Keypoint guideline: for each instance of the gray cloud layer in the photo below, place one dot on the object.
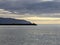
(24, 5)
(21, 1)
(24, 1)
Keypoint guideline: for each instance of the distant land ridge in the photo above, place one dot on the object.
(14, 21)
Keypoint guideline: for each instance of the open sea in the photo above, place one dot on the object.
(48, 34)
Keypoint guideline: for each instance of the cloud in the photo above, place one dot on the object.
(47, 0)
(26, 1)
(24, 5)
(21, 1)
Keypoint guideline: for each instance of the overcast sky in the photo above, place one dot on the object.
(29, 0)
(17, 4)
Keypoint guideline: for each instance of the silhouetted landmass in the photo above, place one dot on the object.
(12, 21)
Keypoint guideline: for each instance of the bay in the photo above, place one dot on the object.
(48, 34)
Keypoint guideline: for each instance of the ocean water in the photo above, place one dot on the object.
(30, 35)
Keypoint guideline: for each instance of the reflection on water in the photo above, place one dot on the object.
(30, 35)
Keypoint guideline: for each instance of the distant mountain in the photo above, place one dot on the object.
(13, 21)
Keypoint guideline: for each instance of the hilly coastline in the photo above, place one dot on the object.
(14, 21)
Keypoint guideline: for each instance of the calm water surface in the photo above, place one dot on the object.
(30, 35)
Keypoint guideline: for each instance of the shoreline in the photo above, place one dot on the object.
(33, 18)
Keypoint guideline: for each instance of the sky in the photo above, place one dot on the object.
(16, 4)
(34, 1)
(26, 1)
